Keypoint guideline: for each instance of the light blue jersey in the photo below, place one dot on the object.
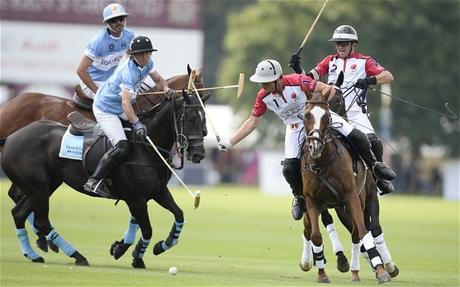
(128, 76)
(106, 51)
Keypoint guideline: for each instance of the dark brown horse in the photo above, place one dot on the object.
(30, 107)
(328, 182)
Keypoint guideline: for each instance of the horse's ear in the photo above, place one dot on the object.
(206, 97)
(189, 70)
(186, 96)
(339, 81)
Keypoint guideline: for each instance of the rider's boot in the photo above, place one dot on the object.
(383, 173)
(109, 160)
(383, 185)
(291, 172)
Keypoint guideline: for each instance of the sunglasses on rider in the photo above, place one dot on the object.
(342, 44)
(120, 19)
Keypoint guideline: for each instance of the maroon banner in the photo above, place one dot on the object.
(186, 14)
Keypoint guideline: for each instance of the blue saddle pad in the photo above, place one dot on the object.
(71, 146)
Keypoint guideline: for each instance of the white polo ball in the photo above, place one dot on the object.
(173, 270)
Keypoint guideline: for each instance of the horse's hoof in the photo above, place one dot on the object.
(53, 246)
(395, 272)
(138, 263)
(355, 276)
(323, 279)
(118, 249)
(38, 260)
(305, 266)
(158, 249)
(384, 277)
(80, 260)
(42, 243)
(342, 262)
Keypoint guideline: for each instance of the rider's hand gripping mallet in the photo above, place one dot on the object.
(310, 30)
(196, 195)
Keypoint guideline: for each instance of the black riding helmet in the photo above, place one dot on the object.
(141, 44)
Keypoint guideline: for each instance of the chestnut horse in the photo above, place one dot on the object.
(328, 182)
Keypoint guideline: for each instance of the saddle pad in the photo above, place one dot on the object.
(71, 146)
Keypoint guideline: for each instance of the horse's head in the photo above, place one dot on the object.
(317, 119)
(193, 127)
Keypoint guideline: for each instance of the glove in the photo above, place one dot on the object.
(364, 83)
(294, 63)
(140, 129)
(224, 145)
(169, 93)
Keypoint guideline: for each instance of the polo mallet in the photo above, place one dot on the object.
(196, 195)
(206, 112)
(239, 92)
(309, 31)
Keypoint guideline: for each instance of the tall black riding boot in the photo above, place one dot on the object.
(109, 160)
(363, 146)
(291, 172)
(384, 185)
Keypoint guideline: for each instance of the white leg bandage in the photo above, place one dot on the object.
(306, 261)
(382, 249)
(318, 254)
(355, 266)
(334, 237)
(368, 242)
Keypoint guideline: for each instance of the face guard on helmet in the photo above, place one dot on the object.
(344, 33)
(141, 44)
(267, 71)
(113, 11)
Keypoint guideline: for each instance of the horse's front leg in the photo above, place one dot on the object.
(317, 241)
(306, 261)
(138, 208)
(165, 199)
(119, 248)
(354, 206)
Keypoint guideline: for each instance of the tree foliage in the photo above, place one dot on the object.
(418, 41)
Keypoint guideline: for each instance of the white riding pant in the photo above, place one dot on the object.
(110, 124)
(87, 90)
(295, 135)
(360, 121)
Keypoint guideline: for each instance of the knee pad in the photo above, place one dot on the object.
(376, 146)
(291, 168)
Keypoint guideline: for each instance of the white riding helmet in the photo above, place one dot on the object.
(113, 10)
(267, 71)
(344, 33)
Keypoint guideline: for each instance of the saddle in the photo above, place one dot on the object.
(81, 99)
(96, 144)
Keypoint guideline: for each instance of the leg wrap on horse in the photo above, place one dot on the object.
(334, 237)
(57, 239)
(306, 261)
(130, 234)
(382, 249)
(291, 172)
(369, 246)
(318, 255)
(30, 219)
(141, 246)
(376, 146)
(173, 239)
(112, 158)
(355, 252)
(25, 245)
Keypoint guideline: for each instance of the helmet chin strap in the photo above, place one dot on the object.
(135, 60)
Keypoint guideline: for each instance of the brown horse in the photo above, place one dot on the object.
(30, 107)
(328, 182)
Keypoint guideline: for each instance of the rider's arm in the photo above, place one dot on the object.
(245, 129)
(159, 81)
(324, 89)
(384, 77)
(82, 72)
(127, 107)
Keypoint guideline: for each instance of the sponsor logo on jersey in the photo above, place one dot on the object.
(353, 66)
(293, 96)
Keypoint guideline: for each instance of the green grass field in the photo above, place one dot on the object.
(238, 236)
